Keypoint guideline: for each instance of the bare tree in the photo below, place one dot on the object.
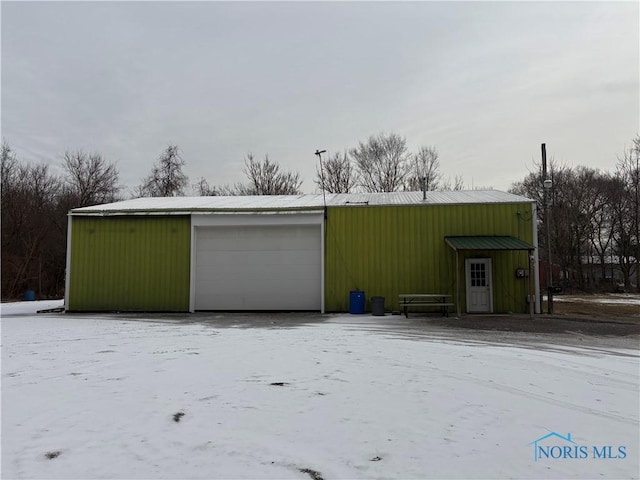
(266, 178)
(455, 184)
(90, 179)
(603, 220)
(338, 172)
(424, 170)
(583, 201)
(628, 213)
(592, 217)
(561, 245)
(167, 178)
(8, 165)
(29, 196)
(203, 189)
(381, 162)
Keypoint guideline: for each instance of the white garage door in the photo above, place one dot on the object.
(265, 267)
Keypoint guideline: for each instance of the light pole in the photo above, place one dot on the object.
(324, 197)
(547, 184)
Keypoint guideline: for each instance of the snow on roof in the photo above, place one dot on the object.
(298, 202)
(460, 197)
(189, 204)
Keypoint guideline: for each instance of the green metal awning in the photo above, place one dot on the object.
(489, 242)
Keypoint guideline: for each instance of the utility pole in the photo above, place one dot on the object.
(547, 183)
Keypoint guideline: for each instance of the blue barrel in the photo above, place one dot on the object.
(29, 295)
(356, 302)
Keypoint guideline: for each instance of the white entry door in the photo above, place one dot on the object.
(479, 290)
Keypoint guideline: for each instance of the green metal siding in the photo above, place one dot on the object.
(389, 250)
(130, 263)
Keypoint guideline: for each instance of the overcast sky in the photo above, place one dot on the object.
(485, 83)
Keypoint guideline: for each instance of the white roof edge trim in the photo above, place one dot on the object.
(258, 212)
(164, 213)
(128, 213)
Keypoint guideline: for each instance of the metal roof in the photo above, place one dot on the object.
(460, 197)
(297, 202)
(494, 242)
(205, 204)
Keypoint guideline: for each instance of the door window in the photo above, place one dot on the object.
(478, 275)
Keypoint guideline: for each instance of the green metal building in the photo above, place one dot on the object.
(184, 254)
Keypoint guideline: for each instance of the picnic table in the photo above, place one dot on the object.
(440, 300)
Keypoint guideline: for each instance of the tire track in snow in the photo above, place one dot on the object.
(518, 391)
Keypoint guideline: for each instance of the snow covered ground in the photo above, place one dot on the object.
(341, 396)
(609, 298)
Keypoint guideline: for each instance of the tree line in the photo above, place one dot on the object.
(36, 198)
(595, 213)
(382, 163)
(593, 220)
(34, 206)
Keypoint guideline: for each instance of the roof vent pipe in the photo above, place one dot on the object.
(424, 188)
